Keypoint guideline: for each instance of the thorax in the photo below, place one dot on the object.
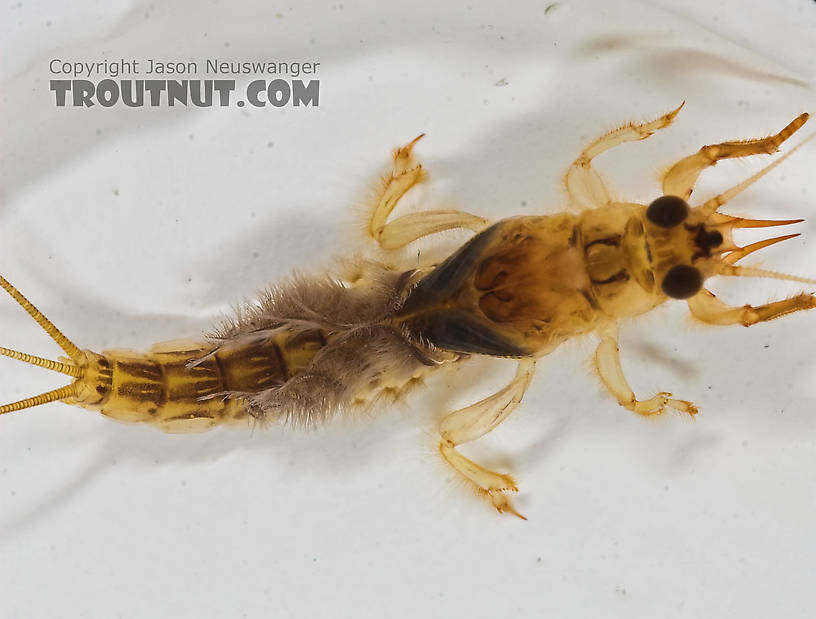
(526, 284)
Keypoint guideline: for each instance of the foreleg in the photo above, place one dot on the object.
(682, 176)
(706, 307)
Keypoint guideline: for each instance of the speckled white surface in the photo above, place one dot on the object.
(129, 226)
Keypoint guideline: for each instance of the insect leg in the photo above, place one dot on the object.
(468, 424)
(607, 362)
(405, 174)
(706, 307)
(584, 185)
(413, 226)
(681, 177)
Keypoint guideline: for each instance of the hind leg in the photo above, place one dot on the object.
(681, 177)
(468, 424)
(584, 185)
(406, 173)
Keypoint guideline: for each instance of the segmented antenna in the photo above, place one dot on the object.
(48, 364)
(67, 345)
(71, 369)
(739, 271)
(43, 398)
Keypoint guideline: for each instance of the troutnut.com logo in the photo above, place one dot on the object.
(86, 84)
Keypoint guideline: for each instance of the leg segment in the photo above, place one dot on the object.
(585, 187)
(405, 174)
(706, 307)
(409, 228)
(681, 177)
(607, 362)
(468, 424)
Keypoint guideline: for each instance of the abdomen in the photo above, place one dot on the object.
(189, 386)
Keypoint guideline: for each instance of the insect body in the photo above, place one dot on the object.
(517, 289)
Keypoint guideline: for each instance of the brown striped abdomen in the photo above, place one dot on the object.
(191, 386)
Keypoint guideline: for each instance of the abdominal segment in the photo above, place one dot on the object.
(190, 388)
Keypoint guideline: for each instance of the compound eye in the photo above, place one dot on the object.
(682, 281)
(667, 211)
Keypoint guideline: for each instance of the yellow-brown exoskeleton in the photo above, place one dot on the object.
(517, 289)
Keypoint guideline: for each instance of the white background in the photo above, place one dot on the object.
(130, 226)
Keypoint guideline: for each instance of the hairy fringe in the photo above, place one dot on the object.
(365, 358)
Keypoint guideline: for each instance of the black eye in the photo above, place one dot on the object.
(667, 211)
(682, 281)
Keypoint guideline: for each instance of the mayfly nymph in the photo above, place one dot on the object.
(517, 289)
